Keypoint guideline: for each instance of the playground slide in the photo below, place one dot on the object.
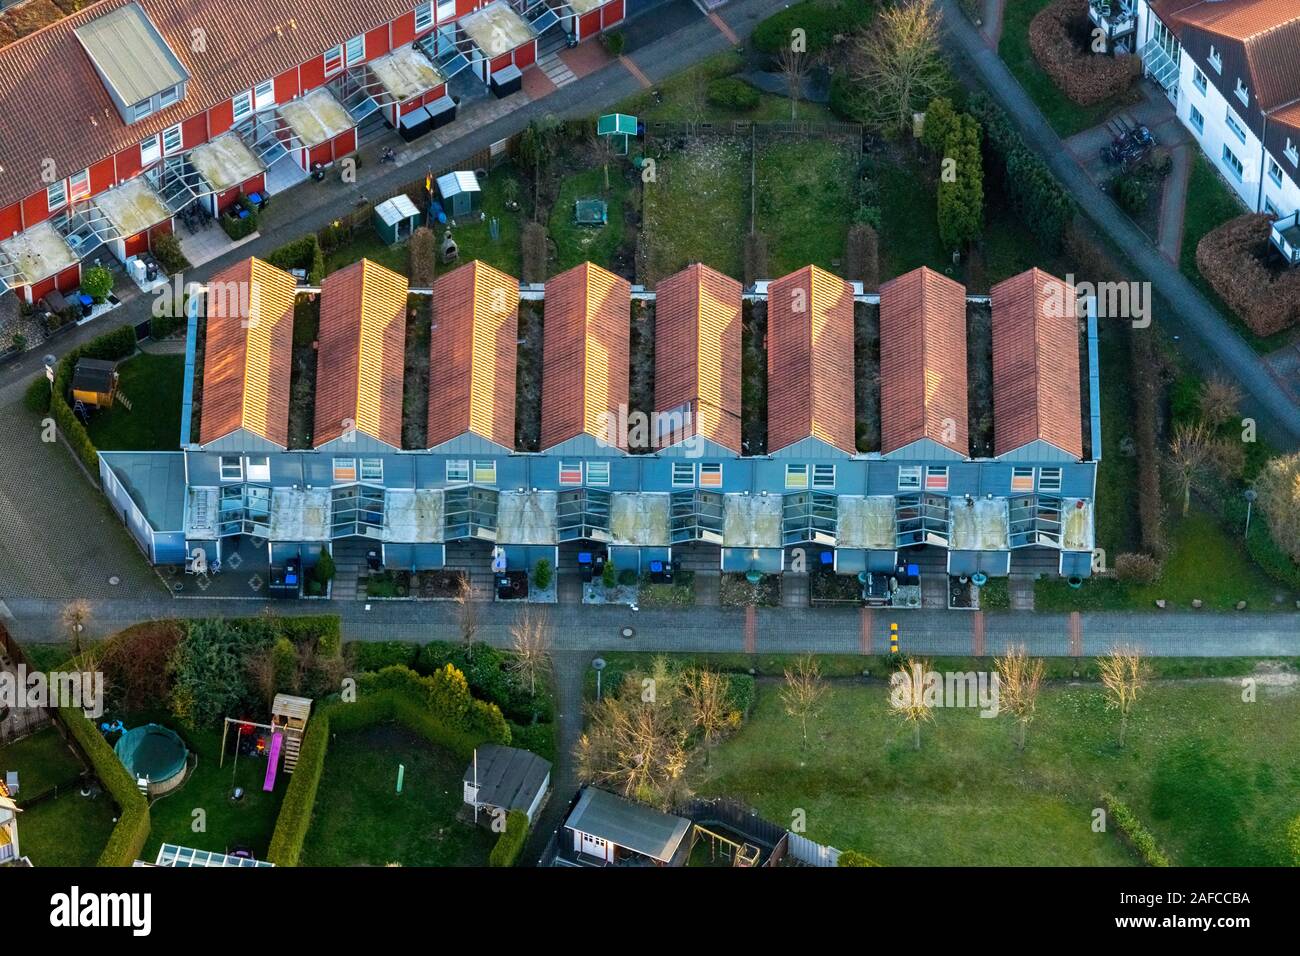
(273, 762)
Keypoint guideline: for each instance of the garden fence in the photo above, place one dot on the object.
(812, 854)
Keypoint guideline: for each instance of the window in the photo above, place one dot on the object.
(355, 50)
(598, 473)
(823, 476)
(446, 10)
(909, 478)
(1242, 91)
(423, 17)
(264, 95)
(345, 469)
(1198, 79)
(79, 186)
(936, 478)
(457, 472)
(1216, 60)
(485, 472)
(57, 195)
(333, 60)
(1198, 121)
(243, 105)
(171, 140)
(710, 474)
(141, 110)
(259, 469)
(570, 472)
(1233, 125)
(1232, 162)
(683, 474)
(169, 96)
(232, 468)
(1270, 207)
(1274, 171)
(796, 477)
(150, 151)
(372, 469)
(1022, 478)
(1049, 479)
(1292, 153)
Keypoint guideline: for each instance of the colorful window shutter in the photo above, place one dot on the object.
(570, 472)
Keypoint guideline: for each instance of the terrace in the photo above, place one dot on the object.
(497, 29)
(406, 72)
(225, 162)
(316, 118)
(1116, 18)
(133, 207)
(1285, 236)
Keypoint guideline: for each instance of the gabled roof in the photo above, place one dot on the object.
(630, 825)
(697, 364)
(361, 361)
(473, 355)
(1036, 394)
(810, 360)
(923, 362)
(507, 777)
(130, 54)
(584, 354)
(248, 344)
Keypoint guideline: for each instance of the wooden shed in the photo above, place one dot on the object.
(94, 382)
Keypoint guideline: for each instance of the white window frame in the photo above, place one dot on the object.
(1050, 479)
(79, 185)
(597, 473)
(258, 467)
(424, 17)
(820, 475)
(334, 54)
(170, 132)
(1231, 160)
(484, 466)
(683, 474)
(1022, 471)
(350, 465)
(798, 476)
(1235, 127)
(1243, 92)
(227, 462)
(359, 56)
(1270, 207)
(710, 468)
(937, 471)
(241, 105)
(141, 111)
(264, 95)
(457, 471)
(572, 466)
(1197, 119)
(1292, 152)
(150, 151)
(56, 195)
(371, 470)
(909, 478)
(446, 10)
(1199, 80)
(1274, 171)
(169, 96)
(1216, 60)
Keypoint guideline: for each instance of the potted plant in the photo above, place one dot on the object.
(97, 282)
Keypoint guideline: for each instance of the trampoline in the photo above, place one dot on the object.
(154, 753)
(590, 212)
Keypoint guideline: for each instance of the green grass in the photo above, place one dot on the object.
(909, 226)
(70, 830)
(1205, 562)
(1116, 528)
(367, 245)
(1063, 114)
(360, 820)
(43, 761)
(805, 200)
(575, 244)
(153, 385)
(1213, 778)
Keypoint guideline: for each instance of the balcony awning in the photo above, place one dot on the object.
(316, 118)
(404, 73)
(225, 162)
(762, 560)
(414, 557)
(857, 560)
(1160, 66)
(496, 29)
(133, 207)
(996, 564)
(35, 254)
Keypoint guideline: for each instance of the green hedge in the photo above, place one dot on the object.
(1133, 830)
(115, 345)
(376, 655)
(37, 396)
(821, 21)
(323, 630)
(1260, 544)
(304, 253)
(511, 842)
(732, 93)
(126, 842)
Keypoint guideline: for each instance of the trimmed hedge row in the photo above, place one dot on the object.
(820, 20)
(126, 842)
(1085, 77)
(326, 630)
(1132, 830)
(1231, 258)
(304, 253)
(115, 345)
(511, 842)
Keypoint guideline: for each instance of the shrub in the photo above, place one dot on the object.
(961, 197)
(210, 665)
(1137, 568)
(1278, 485)
(304, 253)
(235, 226)
(487, 671)
(627, 577)
(609, 575)
(325, 570)
(731, 93)
(614, 43)
(376, 655)
(127, 840)
(854, 858)
(1131, 828)
(1132, 193)
(167, 250)
(741, 690)
(1231, 259)
(940, 121)
(1085, 77)
(511, 842)
(97, 282)
(423, 251)
(542, 575)
(323, 631)
(37, 396)
(821, 20)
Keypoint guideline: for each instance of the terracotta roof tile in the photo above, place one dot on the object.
(361, 361)
(810, 360)
(585, 353)
(923, 361)
(248, 345)
(56, 106)
(473, 355)
(697, 354)
(1036, 391)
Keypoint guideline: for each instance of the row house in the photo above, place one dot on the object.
(700, 492)
(124, 113)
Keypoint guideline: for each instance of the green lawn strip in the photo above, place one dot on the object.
(153, 385)
(1213, 778)
(909, 227)
(1063, 114)
(805, 199)
(366, 244)
(44, 763)
(70, 830)
(697, 208)
(360, 819)
(1116, 516)
(576, 244)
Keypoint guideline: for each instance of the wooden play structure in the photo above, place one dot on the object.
(289, 717)
(740, 854)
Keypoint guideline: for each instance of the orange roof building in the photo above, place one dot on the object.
(247, 353)
(810, 360)
(1036, 392)
(923, 394)
(697, 357)
(473, 355)
(585, 355)
(360, 364)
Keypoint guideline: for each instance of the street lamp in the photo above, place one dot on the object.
(598, 665)
(1250, 496)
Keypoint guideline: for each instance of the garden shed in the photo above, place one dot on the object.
(460, 192)
(396, 219)
(94, 381)
(505, 779)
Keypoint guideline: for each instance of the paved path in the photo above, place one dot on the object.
(991, 25)
(1221, 348)
(1173, 202)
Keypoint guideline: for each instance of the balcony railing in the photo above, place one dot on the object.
(1115, 19)
(1285, 236)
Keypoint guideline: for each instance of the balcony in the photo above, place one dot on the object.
(1285, 236)
(1115, 19)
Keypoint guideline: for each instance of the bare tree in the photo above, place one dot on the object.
(706, 693)
(75, 618)
(1020, 678)
(530, 637)
(1278, 486)
(795, 66)
(804, 692)
(1190, 459)
(466, 615)
(1220, 401)
(907, 699)
(897, 66)
(1124, 675)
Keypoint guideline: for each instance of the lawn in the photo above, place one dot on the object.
(70, 830)
(1116, 519)
(1064, 115)
(805, 200)
(360, 820)
(43, 761)
(146, 415)
(366, 244)
(909, 225)
(1212, 777)
(575, 244)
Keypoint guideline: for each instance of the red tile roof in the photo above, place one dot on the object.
(810, 360)
(361, 361)
(473, 355)
(923, 361)
(585, 354)
(56, 106)
(697, 358)
(1036, 392)
(248, 346)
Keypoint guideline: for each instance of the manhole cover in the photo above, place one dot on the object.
(114, 580)
(628, 632)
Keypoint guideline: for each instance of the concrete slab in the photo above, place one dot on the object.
(132, 207)
(38, 252)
